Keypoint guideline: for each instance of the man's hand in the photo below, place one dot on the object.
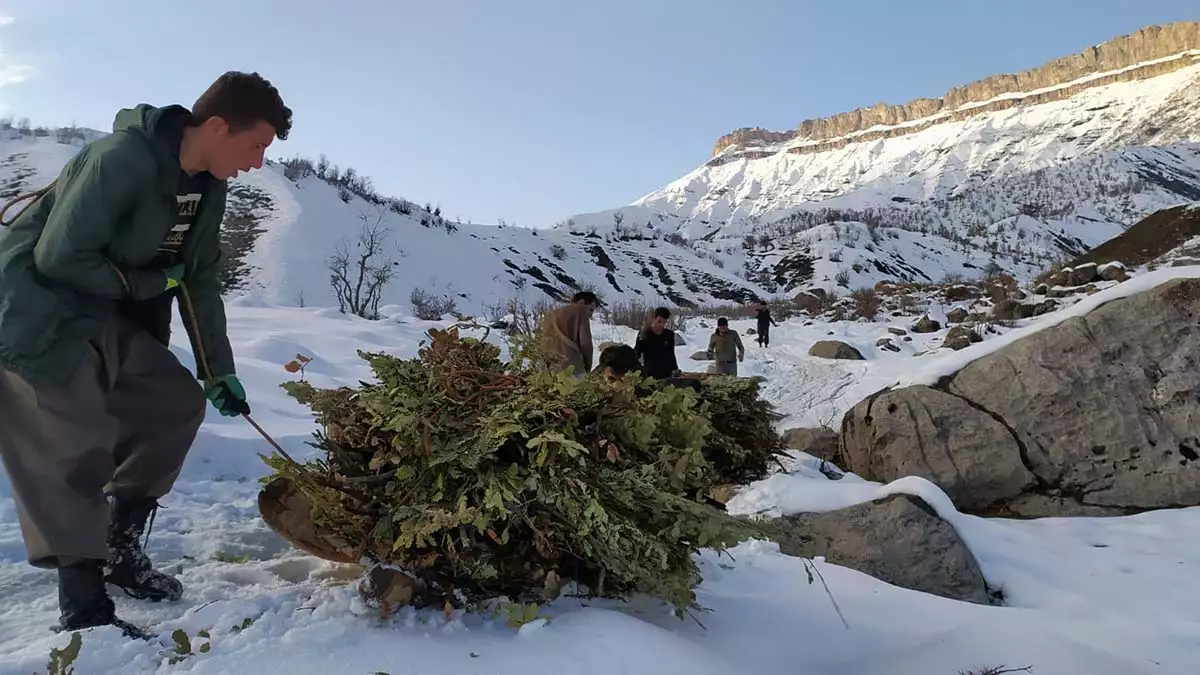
(741, 357)
(228, 395)
(174, 276)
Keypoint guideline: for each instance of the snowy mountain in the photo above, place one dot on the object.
(284, 222)
(1017, 169)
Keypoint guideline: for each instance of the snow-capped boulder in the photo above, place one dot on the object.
(1099, 414)
(898, 539)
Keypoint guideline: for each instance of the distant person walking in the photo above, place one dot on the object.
(765, 321)
(655, 347)
(567, 333)
(725, 347)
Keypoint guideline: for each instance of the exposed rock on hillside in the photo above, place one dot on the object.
(1148, 239)
(1097, 415)
(1140, 55)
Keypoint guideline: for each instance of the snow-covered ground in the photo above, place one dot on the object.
(1085, 595)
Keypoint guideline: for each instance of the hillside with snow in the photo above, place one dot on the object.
(284, 222)
(1020, 178)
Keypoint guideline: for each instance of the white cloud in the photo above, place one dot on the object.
(12, 72)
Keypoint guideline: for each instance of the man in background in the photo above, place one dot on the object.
(765, 321)
(567, 333)
(725, 347)
(655, 347)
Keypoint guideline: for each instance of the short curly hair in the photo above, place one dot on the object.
(243, 99)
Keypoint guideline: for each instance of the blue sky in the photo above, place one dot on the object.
(533, 110)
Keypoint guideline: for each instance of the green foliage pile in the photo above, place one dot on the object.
(743, 445)
(485, 478)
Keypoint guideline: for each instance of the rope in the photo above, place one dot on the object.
(31, 196)
(202, 359)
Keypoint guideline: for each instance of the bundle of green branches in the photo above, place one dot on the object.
(483, 478)
(743, 445)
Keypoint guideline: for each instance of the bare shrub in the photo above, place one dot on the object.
(429, 307)
(67, 135)
(842, 278)
(298, 167)
(866, 303)
(632, 313)
(358, 278)
(526, 316)
(558, 252)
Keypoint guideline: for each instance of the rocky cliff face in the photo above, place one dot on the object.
(1149, 52)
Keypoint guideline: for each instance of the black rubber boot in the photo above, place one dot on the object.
(84, 603)
(129, 567)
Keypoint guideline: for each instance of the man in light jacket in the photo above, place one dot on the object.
(725, 347)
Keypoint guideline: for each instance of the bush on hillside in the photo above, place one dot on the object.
(866, 303)
(429, 307)
(483, 478)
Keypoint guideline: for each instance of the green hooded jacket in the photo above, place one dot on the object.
(90, 243)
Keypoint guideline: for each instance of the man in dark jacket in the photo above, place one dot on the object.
(764, 324)
(94, 405)
(655, 347)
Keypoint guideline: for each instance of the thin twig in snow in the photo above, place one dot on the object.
(810, 566)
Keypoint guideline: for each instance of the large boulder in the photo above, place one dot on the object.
(897, 539)
(1099, 414)
(821, 443)
(833, 349)
(961, 337)
(701, 356)
(920, 431)
(926, 325)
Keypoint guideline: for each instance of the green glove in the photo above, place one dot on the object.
(174, 276)
(228, 395)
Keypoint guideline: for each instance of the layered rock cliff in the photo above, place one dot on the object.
(1147, 53)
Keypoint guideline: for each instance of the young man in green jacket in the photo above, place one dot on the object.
(98, 415)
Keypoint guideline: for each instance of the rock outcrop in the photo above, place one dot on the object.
(1143, 54)
(898, 539)
(1097, 415)
(834, 349)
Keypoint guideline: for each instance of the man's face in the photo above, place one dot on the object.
(591, 308)
(722, 329)
(231, 152)
(658, 325)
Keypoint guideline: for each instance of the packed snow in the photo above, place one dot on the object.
(1084, 595)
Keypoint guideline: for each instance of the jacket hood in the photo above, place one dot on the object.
(146, 118)
(156, 126)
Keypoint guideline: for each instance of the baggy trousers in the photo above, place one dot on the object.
(122, 427)
(764, 335)
(727, 367)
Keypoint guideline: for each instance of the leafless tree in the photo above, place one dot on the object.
(358, 277)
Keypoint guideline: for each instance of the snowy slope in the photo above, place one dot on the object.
(1104, 596)
(283, 231)
(477, 265)
(1074, 172)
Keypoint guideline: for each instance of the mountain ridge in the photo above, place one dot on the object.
(1148, 52)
